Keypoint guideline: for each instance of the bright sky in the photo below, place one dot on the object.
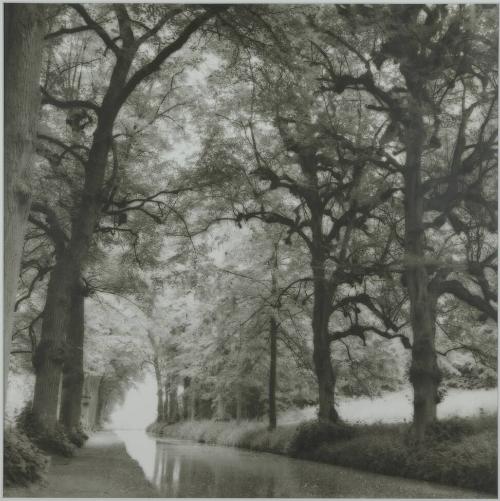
(139, 408)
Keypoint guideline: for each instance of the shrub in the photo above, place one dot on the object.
(469, 461)
(156, 428)
(473, 462)
(27, 422)
(312, 434)
(450, 429)
(53, 440)
(23, 462)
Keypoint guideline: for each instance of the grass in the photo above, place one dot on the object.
(458, 451)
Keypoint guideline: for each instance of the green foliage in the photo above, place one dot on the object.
(23, 462)
(54, 441)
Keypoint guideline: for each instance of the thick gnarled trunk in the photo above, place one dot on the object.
(73, 376)
(24, 32)
(424, 371)
(325, 374)
(52, 349)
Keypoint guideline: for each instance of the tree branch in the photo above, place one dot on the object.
(65, 147)
(167, 51)
(67, 31)
(66, 105)
(96, 27)
(456, 288)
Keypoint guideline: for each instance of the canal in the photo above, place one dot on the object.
(179, 468)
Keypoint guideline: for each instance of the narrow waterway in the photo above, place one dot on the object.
(179, 468)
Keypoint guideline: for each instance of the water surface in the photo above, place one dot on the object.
(179, 468)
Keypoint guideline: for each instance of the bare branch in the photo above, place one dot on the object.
(67, 31)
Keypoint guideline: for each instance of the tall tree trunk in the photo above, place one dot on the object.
(166, 401)
(160, 405)
(24, 26)
(173, 407)
(273, 340)
(101, 403)
(325, 374)
(160, 416)
(52, 349)
(220, 410)
(239, 403)
(186, 397)
(192, 401)
(72, 380)
(424, 371)
(94, 383)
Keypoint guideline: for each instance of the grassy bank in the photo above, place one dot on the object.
(459, 451)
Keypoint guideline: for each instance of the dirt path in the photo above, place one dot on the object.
(102, 469)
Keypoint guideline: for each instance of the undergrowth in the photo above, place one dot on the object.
(53, 440)
(23, 462)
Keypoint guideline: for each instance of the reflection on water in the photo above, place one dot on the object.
(194, 471)
(179, 468)
(184, 469)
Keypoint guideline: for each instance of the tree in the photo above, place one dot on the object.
(87, 213)
(24, 32)
(438, 52)
(315, 183)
